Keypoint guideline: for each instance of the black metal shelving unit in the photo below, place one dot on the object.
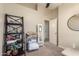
(13, 36)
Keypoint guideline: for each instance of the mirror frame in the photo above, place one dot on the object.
(68, 23)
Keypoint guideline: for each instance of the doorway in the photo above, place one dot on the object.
(51, 31)
(46, 31)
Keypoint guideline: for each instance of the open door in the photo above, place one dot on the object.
(53, 31)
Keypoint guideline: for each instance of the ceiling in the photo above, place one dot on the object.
(34, 5)
(54, 5)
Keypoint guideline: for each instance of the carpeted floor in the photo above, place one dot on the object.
(47, 50)
(71, 52)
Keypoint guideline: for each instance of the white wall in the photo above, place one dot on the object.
(1, 27)
(67, 37)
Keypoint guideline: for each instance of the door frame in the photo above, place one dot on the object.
(57, 28)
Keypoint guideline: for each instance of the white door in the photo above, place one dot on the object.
(53, 31)
(40, 34)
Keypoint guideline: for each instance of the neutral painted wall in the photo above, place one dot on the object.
(29, 5)
(31, 17)
(67, 37)
(1, 27)
(47, 13)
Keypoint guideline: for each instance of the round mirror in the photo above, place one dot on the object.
(73, 23)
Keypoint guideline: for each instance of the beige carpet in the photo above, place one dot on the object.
(47, 50)
(71, 52)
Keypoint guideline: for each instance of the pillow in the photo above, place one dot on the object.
(32, 41)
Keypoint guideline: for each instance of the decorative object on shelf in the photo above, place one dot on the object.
(73, 22)
(13, 36)
(14, 29)
(10, 37)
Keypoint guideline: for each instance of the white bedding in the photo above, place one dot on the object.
(33, 46)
